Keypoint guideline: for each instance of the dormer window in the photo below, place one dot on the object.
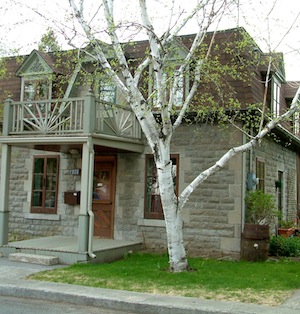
(36, 72)
(276, 90)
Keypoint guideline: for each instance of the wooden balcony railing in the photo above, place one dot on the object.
(69, 116)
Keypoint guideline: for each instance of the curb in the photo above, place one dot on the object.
(131, 301)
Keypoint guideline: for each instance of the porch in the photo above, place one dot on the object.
(66, 249)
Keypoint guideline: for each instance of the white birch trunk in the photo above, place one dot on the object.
(173, 219)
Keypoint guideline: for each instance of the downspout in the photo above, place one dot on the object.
(90, 197)
(244, 179)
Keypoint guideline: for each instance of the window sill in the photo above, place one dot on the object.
(42, 216)
(151, 222)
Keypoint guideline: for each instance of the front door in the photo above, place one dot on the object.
(104, 195)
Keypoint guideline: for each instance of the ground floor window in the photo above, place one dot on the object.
(45, 184)
(153, 206)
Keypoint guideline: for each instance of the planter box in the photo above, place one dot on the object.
(286, 232)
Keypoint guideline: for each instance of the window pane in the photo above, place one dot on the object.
(51, 182)
(51, 165)
(36, 90)
(260, 174)
(50, 199)
(107, 92)
(39, 165)
(38, 182)
(276, 97)
(179, 94)
(102, 189)
(37, 199)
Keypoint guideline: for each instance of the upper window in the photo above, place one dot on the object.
(45, 184)
(36, 90)
(276, 97)
(180, 91)
(153, 206)
(107, 92)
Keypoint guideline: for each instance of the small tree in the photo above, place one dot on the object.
(48, 42)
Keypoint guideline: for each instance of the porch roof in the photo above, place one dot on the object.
(65, 144)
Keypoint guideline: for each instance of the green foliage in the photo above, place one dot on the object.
(3, 70)
(282, 246)
(48, 42)
(260, 207)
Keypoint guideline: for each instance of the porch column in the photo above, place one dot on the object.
(85, 196)
(4, 192)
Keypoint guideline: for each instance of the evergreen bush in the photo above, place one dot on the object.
(282, 246)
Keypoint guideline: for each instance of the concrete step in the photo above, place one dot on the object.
(33, 259)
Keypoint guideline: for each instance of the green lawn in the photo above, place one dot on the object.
(261, 282)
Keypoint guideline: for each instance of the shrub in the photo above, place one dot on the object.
(281, 246)
(260, 207)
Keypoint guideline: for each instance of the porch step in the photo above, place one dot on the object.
(33, 259)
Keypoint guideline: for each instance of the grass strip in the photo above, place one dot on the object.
(268, 283)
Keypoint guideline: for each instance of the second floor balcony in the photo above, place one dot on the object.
(69, 117)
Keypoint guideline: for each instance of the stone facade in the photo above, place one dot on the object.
(213, 215)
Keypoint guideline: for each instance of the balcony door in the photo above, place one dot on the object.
(104, 196)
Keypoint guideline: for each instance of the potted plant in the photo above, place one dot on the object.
(286, 229)
(260, 211)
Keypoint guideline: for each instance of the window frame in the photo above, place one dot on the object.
(148, 203)
(44, 209)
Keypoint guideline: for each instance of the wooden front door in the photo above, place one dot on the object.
(104, 195)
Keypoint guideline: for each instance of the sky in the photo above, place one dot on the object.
(274, 24)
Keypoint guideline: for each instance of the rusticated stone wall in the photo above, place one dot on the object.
(214, 212)
(24, 223)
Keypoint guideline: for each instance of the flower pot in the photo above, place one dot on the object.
(255, 242)
(286, 232)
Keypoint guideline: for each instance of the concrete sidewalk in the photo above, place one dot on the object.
(12, 283)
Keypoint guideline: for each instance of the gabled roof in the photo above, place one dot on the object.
(38, 62)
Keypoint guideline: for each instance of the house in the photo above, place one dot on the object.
(74, 162)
